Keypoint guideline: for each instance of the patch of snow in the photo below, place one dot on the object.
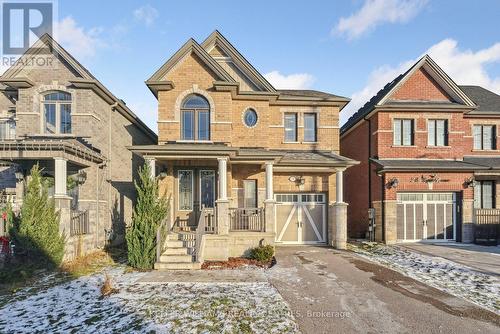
(451, 277)
(77, 306)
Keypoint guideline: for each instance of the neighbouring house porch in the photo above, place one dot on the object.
(68, 168)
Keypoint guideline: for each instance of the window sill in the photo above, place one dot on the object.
(310, 142)
(195, 141)
(485, 151)
(54, 135)
(403, 146)
(438, 147)
(290, 142)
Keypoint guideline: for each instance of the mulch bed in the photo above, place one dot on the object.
(235, 263)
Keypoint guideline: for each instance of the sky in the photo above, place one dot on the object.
(350, 47)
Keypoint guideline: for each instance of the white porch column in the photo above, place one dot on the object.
(340, 186)
(60, 169)
(222, 178)
(152, 165)
(269, 181)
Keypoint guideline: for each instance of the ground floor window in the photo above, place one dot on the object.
(484, 194)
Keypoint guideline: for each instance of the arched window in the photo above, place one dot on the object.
(195, 118)
(57, 112)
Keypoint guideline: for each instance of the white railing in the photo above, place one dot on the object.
(247, 219)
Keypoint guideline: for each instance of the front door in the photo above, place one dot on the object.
(300, 218)
(426, 216)
(195, 190)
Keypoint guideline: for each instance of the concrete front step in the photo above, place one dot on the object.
(174, 244)
(175, 251)
(176, 258)
(173, 236)
(177, 265)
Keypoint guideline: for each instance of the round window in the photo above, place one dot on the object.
(250, 118)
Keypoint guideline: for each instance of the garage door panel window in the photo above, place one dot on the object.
(484, 194)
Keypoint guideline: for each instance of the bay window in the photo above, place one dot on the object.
(484, 194)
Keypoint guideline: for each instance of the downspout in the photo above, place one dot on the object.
(382, 205)
(109, 165)
(369, 162)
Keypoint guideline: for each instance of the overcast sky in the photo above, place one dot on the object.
(350, 48)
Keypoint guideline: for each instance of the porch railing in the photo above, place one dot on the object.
(79, 224)
(487, 216)
(247, 219)
(161, 236)
(206, 224)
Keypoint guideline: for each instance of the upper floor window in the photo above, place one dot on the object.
(484, 137)
(437, 132)
(290, 127)
(7, 129)
(310, 133)
(403, 132)
(195, 118)
(57, 112)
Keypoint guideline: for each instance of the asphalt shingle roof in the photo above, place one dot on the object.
(309, 93)
(487, 101)
(430, 165)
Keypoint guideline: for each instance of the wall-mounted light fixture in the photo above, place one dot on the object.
(392, 183)
(81, 177)
(19, 173)
(298, 180)
(469, 182)
(163, 174)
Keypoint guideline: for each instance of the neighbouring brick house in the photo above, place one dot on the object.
(243, 162)
(429, 156)
(55, 113)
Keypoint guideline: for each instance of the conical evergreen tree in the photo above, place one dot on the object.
(37, 229)
(149, 212)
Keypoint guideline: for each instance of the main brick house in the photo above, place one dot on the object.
(55, 113)
(429, 154)
(242, 163)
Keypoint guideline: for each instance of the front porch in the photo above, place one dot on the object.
(226, 200)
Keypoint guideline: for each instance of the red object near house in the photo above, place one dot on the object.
(4, 245)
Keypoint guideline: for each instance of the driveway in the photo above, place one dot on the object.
(337, 291)
(485, 259)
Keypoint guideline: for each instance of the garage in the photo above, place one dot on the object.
(426, 216)
(301, 218)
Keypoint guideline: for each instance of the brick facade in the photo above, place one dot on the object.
(372, 137)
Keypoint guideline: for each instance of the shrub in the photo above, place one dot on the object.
(36, 230)
(262, 253)
(148, 213)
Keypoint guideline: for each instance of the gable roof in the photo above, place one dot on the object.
(191, 46)
(84, 79)
(382, 97)
(487, 101)
(217, 39)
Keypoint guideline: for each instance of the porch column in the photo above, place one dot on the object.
(152, 165)
(62, 202)
(60, 169)
(222, 178)
(339, 239)
(222, 203)
(269, 181)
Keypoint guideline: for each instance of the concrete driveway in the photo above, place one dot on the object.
(335, 291)
(485, 259)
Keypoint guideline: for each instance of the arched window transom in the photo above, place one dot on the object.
(57, 112)
(195, 118)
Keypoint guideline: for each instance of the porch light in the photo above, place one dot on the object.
(81, 177)
(298, 180)
(469, 182)
(19, 175)
(392, 183)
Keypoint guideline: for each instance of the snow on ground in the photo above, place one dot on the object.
(440, 273)
(77, 306)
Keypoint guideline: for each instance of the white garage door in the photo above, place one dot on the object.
(300, 218)
(426, 216)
